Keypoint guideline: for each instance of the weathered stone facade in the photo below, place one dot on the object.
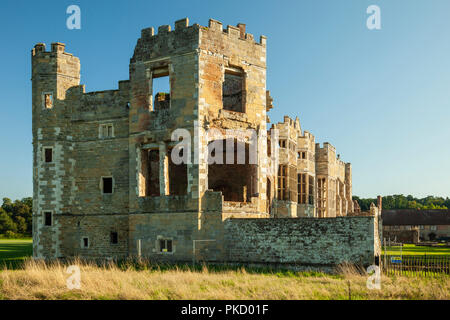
(311, 180)
(106, 183)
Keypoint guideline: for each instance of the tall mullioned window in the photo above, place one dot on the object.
(311, 190)
(301, 177)
(321, 196)
(282, 182)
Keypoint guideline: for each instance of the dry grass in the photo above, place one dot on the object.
(48, 281)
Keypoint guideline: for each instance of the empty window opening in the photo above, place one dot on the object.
(114, 237)
(165, 245)
(48, 155)
(48, 218)
(233, 90)
(301, 192)
(150, 173)
(282, 143)
(282, 183)
(85, 242)
(177, 175)
(48, 100)
(231, 173)
(161, 88)
(107, 183)
(106, 131)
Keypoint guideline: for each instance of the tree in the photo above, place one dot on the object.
(399, 201)
(16, 216)
(7, 223)
(21, 224)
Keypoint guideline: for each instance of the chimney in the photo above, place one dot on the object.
(241, 27)
(380, 203)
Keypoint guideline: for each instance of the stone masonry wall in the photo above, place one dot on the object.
(303, 241)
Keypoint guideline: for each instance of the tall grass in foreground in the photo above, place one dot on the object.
(39, 280)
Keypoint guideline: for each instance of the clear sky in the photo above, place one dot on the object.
(381, 97)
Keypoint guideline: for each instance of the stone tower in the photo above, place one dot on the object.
(52, 74)
(217, 82)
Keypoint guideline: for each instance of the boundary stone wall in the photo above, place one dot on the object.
(302, 241)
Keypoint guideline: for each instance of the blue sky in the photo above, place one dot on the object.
(381, 97)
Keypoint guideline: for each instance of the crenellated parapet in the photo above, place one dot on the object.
(235, 32)
(182, 39)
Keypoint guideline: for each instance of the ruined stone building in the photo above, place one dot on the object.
(105, 184)
(312, 181)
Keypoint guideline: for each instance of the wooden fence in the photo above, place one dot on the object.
(426, 265)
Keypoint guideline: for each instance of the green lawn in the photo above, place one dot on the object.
(413, 250)
(14, 251)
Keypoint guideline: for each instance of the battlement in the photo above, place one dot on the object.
(308, 135)
(235, 32)
(56, 47)
(325, 149)
(290, 122)
(180, 25)
(77, 92)
(325, 146)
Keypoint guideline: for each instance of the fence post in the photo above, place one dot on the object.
(139, 248)
(426, 264)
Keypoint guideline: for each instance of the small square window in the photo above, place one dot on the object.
(48, 100)
(107, 183)
(106, 131)
(85, 242)
(165, 245)
(48, 155)
(48, 218)
(114, 238)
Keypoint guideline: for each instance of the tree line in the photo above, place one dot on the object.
(16, 217)
(400, 201)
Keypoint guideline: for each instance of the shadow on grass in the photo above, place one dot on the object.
(13, 254)
(151, 266)
(145, 265)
